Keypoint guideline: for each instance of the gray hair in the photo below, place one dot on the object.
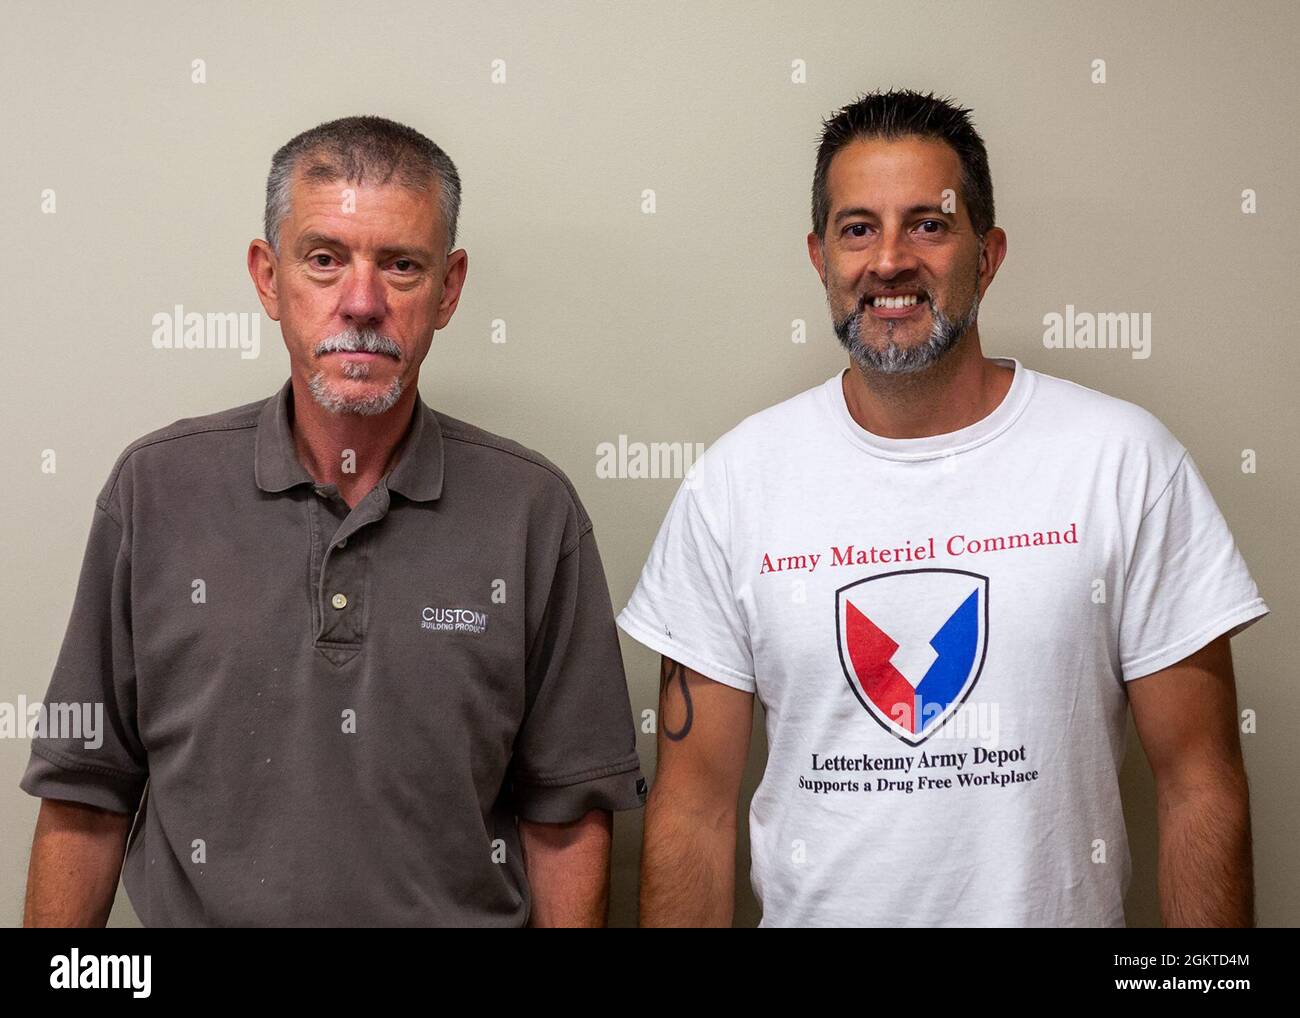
(361, 150)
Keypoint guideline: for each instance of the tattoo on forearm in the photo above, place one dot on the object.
(671, 672)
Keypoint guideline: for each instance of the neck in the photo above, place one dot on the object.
(348, 450)
(961, 388)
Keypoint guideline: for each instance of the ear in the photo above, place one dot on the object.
(995, 249)
(453, 281)
(262, 267)
(815, 253)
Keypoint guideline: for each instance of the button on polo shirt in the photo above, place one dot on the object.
(329, 715)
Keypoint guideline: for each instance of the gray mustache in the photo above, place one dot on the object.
(357, 341)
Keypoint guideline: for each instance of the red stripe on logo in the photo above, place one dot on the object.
(870, 650)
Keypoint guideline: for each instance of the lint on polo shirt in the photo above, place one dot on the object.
(329, 715)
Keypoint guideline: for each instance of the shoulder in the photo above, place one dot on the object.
(1089, 413)
(179, 445)
(510, 465)
(797, 414)
(759, 440)
(732, 473)
(1141, 448)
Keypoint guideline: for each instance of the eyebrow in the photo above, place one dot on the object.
(310, 240)
(912, 210)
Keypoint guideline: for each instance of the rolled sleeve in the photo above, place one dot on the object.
(99, 761)
(576, 749)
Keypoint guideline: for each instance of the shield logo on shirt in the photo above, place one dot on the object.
(912, 644)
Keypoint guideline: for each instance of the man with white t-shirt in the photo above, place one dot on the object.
(947, 578)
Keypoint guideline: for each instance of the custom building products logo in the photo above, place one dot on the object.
(912, 645)
(453, 620)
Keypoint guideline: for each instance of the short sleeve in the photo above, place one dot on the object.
(86, 746)
(576, 748)
(1186, 583)
(684, 605)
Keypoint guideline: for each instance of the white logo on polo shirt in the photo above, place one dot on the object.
(454, 620)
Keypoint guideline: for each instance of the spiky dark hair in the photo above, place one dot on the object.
(901, 113)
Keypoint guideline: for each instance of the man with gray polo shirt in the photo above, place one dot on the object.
(356, 658)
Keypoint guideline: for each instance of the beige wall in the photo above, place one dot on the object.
(1122, 196)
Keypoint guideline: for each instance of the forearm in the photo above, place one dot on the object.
(688, 865)
(76, 861)
(1205, 872)
(567, 867)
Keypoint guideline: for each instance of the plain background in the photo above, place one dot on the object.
(670, 327)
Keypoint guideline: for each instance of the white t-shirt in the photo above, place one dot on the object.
(940, 630)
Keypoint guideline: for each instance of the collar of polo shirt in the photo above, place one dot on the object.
(417, 476)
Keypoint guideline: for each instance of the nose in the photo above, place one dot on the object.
(363, 303)
(893, 254)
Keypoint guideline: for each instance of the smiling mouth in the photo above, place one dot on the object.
(902, 299)
(899, 305)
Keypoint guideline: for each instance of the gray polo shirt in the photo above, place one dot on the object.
(334, 716)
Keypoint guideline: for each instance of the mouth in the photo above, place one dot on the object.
(359, 355)
(899, 304)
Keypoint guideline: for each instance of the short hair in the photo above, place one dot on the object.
(361, 150)
(902, 113)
